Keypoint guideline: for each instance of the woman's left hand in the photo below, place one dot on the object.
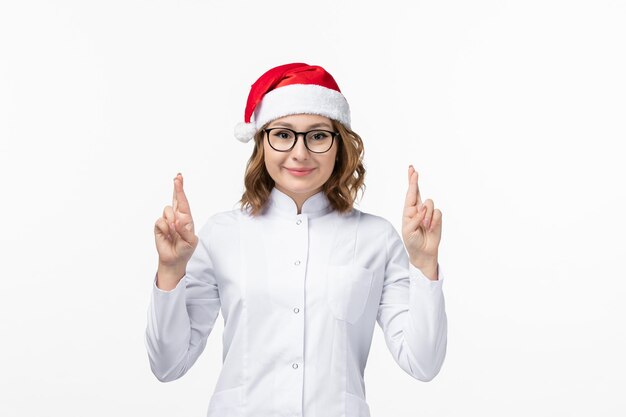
(421, 225)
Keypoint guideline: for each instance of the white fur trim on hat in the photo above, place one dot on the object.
(244, 132)
(302, 98)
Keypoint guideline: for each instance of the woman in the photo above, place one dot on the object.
(299, 274)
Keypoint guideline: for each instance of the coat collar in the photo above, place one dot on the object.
(281, 204)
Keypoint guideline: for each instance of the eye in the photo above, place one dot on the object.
(319, 135)
(282, 134)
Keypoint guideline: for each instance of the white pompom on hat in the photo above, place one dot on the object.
(292, 89)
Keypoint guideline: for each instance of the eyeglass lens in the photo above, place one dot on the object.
(317, 140)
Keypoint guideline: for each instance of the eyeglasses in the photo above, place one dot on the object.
(282, 139)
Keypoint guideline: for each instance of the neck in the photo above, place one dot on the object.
(298, 198)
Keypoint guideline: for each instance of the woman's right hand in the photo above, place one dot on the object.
(174, 236)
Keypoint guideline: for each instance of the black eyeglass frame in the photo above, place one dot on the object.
(297, 134)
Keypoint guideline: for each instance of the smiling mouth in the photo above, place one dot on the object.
(299, 172)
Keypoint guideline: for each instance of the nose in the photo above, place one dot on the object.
(299, 150)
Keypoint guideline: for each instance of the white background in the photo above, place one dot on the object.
(513, 113)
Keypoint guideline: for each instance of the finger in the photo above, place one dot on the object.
(174, 193)
(185, 230)
(161, 229)
(436, 221)
(170, 216)
(181, 198)
(412, 194)
(411, 197)
(419, 197)
(429, 207)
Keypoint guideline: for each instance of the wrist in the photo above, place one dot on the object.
(172, 267)
(424, 261)
(429, 267)
(168, 277)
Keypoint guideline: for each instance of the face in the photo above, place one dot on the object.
(317, 166)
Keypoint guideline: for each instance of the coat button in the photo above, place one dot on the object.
(296, 310)
(298, 221)
(296, 263)
(295, 366)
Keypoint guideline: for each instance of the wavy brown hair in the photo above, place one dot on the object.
(347, 178)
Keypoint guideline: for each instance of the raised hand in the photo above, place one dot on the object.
(174, 232)
(421, 224)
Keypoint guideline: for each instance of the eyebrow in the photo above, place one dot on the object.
(313, 126)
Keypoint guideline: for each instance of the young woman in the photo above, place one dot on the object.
(299, 275)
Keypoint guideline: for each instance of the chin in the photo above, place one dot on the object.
(299, 187)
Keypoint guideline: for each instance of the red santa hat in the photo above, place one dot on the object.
(292, 89)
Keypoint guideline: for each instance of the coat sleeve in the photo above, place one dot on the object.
(180, 320)
(412, 313)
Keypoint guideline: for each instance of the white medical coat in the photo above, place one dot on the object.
(299, 295)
